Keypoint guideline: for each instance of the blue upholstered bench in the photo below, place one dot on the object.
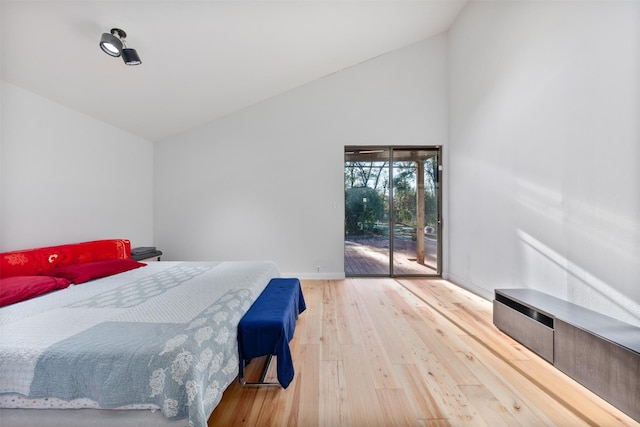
(268, 326)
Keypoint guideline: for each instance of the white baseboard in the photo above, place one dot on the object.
(481, 292)
(315, 276)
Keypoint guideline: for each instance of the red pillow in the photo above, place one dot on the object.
(80, 273)
(20, 288)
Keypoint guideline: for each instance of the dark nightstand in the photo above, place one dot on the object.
(146, 254)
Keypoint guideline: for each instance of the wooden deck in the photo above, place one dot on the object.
(367, 259)
(386, 352)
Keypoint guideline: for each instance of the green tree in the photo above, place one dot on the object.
(404, 195)
(363, 206)
(366, 174)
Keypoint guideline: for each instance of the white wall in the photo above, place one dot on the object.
(544, 151)
(67, 177)
(267, 182)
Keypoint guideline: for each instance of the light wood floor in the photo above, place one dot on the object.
(387, 352)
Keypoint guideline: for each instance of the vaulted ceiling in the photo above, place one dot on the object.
(201, 60)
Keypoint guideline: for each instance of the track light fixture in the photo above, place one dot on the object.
(113, 44)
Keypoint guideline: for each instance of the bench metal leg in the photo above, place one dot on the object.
(262, 381)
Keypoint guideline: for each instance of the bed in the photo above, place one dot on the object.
(154, 344)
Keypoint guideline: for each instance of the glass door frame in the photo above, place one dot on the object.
(438, 177)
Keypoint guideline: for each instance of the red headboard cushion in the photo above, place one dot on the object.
(31, 262)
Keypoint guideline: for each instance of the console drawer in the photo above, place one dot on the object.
(530, 332)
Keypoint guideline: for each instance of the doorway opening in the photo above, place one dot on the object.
(392, 211)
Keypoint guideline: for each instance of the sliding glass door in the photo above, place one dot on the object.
(415, 212)
(366, 230)
(392, 211)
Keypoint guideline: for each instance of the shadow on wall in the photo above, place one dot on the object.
(591, 283)
(600, 237)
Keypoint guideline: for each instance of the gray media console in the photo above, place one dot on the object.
(601, 353)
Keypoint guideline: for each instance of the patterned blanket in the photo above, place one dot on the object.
(165, 335)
